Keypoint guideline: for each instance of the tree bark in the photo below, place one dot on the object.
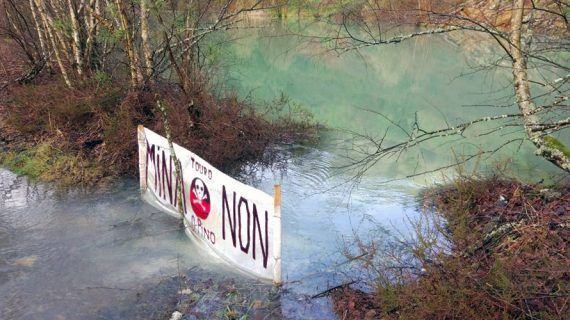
(136, 75)
(76, 40)
(94, 9)
(43, 44)
(52, 38)
(145, 34)
(524, 99)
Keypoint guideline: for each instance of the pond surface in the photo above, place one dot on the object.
(90, 254)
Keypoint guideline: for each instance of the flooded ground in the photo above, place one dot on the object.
(104, 254)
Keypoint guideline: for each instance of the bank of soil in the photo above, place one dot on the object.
(87, 134)
(508, 258)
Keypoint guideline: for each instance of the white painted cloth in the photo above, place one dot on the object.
(232, 220)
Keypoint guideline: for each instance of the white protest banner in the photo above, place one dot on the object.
(238, 223)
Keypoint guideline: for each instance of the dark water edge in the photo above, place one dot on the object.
(201, 294)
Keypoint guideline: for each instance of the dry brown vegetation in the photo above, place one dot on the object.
(97, 125)
(508, 258)
(550, 14)
(77, 78)
(94, 126)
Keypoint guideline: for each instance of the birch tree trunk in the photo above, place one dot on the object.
(43, 44)
(136, 75)
(145, 39)
(524, 99)
(50, 25)
(93, 10)
(76, 40)
(52, 37)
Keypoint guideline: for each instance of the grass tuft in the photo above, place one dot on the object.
(47, 163)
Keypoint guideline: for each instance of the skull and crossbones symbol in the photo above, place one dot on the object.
(200, 193)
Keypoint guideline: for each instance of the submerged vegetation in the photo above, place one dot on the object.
(493, 249)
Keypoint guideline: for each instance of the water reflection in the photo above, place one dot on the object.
(428, 79)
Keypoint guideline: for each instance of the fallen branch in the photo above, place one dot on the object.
(330, 290)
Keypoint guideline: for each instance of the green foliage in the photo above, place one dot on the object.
(388, 294)
(213, 54)
(101, 77)
(556, 144)
(111, 36)
(179, 23)
(112, 10)
(63, 26)
(47, 163)
(158, 5)
(498, 278)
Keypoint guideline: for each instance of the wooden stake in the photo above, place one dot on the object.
(177, 165)
(142, 157)
(277, 235)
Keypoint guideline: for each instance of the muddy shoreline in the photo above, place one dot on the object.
(201, 294)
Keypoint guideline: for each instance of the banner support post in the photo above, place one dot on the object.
(277, 234)
(177, 165)
(142, 157)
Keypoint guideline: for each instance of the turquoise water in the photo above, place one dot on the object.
(432, 79)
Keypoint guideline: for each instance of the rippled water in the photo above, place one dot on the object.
(91, 254)
(81, 253)
(65, 254)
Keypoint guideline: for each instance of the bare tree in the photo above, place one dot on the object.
(56, 39)
(535, 130)
(528, 32)
(81, 37)
(182, 47)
